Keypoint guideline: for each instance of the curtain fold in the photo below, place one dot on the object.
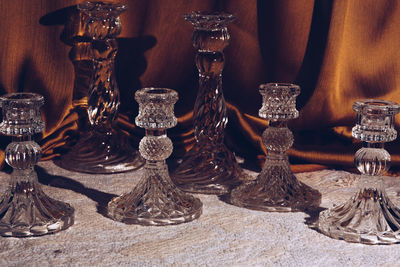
(337, 51)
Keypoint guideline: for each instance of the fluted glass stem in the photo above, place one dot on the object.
(103, 100)
(210, 118)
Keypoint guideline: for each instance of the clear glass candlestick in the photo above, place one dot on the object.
(25, 210)
(276, 188)
(209, 167)
(155, 200)
(369, 216)
(101, 149)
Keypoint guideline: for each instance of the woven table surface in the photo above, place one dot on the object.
(223, 235)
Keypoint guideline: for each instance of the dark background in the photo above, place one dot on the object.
(337, 51)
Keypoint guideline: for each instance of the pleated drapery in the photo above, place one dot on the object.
(337, 51)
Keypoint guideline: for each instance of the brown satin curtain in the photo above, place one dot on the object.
(337, 51)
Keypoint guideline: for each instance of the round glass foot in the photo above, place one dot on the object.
(98, 153)
(208, 170)
(275, 189)
(27, 211)
(155, 201)
(369, 217)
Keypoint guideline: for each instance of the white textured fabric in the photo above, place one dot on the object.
(224, 235)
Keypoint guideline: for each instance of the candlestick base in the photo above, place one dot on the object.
(275, 189)
(369, 217)
(208, 169)
(25, 210)
(101, 153)
(155, 201)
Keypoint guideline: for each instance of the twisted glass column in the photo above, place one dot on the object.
(209, 167)
(101, 149)
(25, 210)
(276, 188)
(369, 216)
(155, 200)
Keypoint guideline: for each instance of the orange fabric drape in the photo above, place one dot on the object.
(337, 51)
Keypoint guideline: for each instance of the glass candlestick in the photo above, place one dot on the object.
(155, 200)
(276, 188)
(25, 210)
(209, 167)
(101, 149)
(369, 216)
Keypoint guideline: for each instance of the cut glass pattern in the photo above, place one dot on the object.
(276, 188)
(155, 200)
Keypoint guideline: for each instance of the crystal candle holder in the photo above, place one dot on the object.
(155, 200)
(25, 210)
(276, 188)
(369, 216)
(100, 149)
(209, 166)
